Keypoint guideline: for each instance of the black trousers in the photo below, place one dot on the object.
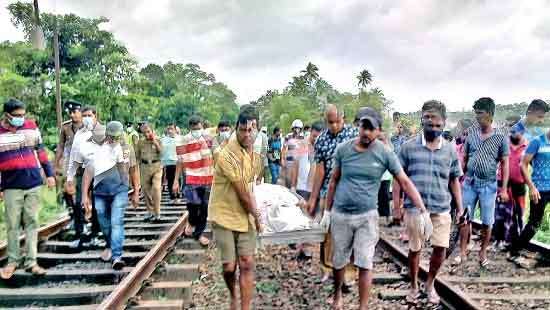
(384, 198)
(197, 206)
(536, 213)
(170, 177)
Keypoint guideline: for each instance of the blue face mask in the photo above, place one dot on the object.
(88, 122)
(17, 121)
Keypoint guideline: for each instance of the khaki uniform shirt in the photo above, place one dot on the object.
(147, 151)
(234, 166)
(66, 135)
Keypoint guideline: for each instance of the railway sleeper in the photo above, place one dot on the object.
(56, 275)
(163, 219)
(49, 260)
(62, 296)
(65, 246)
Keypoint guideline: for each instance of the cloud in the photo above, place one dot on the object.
(455, 51)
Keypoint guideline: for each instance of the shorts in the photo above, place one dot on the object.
(232, 244)
(354, 233)
(486, 196)
(441, 223)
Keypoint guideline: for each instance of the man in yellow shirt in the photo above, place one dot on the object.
(232, 210)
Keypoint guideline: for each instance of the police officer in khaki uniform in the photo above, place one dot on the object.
(63, 150)
(148, 151)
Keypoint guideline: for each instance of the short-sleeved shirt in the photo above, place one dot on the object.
(540, 149)
(235, 165)
(430, 171)
(361, 175)
(146, 150)
(295, 147)
(168, 155)
(274, 148)
(324, 151)
(482, 166)
(68, 131)
(397, 141)
(516, 154)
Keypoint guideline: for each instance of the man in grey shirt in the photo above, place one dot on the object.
(353, 189)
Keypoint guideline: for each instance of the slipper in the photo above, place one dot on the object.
(203, 240)
(484, 263)
(433, 297)
(413, 297)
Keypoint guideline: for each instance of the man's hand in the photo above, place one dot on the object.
(534, 194)
(325, 221)
(176, 186)
(504, 196)
(87, 205)
(258, 225)
(1, 195)
(50, 181)
(135, 198)
(460, 216)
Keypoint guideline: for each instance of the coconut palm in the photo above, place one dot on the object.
(311, 72)
(364, 79)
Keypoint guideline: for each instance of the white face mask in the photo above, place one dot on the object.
(225, 135)
(88, 122)
(196, 133)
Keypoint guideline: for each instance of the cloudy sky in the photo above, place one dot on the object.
(455, 51)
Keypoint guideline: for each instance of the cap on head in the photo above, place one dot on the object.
(297, 124)
(114, 129)
(72, 105)
(371, 115)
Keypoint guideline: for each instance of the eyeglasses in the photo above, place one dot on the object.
(17, 115)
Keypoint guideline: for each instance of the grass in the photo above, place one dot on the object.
(49, 210)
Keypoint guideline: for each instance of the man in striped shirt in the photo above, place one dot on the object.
(195, 156)
(22, 157)
(485, 148)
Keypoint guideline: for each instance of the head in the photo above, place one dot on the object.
(484, 109)
(516, 133)
(316, 129)
(195, 122)
(536, 111)
(383, 138)
(297, 126)
(171, 130)
(14, 112)
(264, 129)
(276, 132)
(370, 125)
(98, 134)
(334, 119)
(396, 117)
(147, 131)
(224, 129)
(113, 132)
(129, 126)
(399, 129)
(245, 130)
(512, 120)
(89, 117)
(73, 108)
(434, 115)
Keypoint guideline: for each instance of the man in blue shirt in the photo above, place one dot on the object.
(537, 155)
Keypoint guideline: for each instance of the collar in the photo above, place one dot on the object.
(439, 145)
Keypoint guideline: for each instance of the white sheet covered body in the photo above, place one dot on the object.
(279, 211)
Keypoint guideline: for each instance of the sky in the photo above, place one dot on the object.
(453, 51)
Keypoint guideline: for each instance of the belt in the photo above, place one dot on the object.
(148, 162)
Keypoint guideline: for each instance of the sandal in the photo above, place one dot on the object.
(413, 297)
(484, 263)
(36, 270)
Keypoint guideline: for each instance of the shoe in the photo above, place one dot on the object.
(148, 217)
(156, 219)
(520, 261)
(106, 255)
(204, 241)
(118, 263)
(96, 242)
(76, 244)
(8, 271)
(36, 270)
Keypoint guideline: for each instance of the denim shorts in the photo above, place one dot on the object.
(357, 234)
(486, 196)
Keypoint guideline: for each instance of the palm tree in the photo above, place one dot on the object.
(364, 79)
(311, 72)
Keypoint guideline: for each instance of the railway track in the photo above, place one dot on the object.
(160, 268)
(501, 285)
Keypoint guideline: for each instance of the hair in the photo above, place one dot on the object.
(276, 129)
(13, 104)
(224, 123)
(144, 126)
(194, 120)
(318, 126)
(171, 125)
(339, 110)
(93, 109)
(485, 104)
(437, 106)
(538, 105)
(247, 114)
(307, 127)
(396, 115)
(513, 119)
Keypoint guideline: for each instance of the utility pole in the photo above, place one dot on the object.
(37, 35)
(57, 75)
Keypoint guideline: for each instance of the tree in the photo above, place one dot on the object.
(311, 73)
(364, 79)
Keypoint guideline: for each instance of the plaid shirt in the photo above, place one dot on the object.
(324, 150)
(430, 171)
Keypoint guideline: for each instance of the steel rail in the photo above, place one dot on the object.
(452, 298)
(133, 282)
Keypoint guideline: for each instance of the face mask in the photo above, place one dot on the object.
(431, 134)
(88, 122)
(98, 137)
(196, 133)
(17, 121)
(515, 140)
(225, 135)
(129, 129)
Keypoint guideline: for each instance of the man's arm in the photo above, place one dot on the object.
(59, 151)
(505, 165)
(86, 181)
(533, 192)
(334, 179)
(408, 187)
(456, 191)
(294, 174)
(317, 183)
(283, 154)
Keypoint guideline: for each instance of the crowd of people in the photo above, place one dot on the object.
(343, 171)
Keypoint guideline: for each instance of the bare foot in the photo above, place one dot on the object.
(337, 302)
(233, 304)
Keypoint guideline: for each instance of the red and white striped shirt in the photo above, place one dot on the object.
(197, 159)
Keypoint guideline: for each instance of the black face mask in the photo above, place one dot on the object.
(459, 140)
(431, 134)
(515, 140)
